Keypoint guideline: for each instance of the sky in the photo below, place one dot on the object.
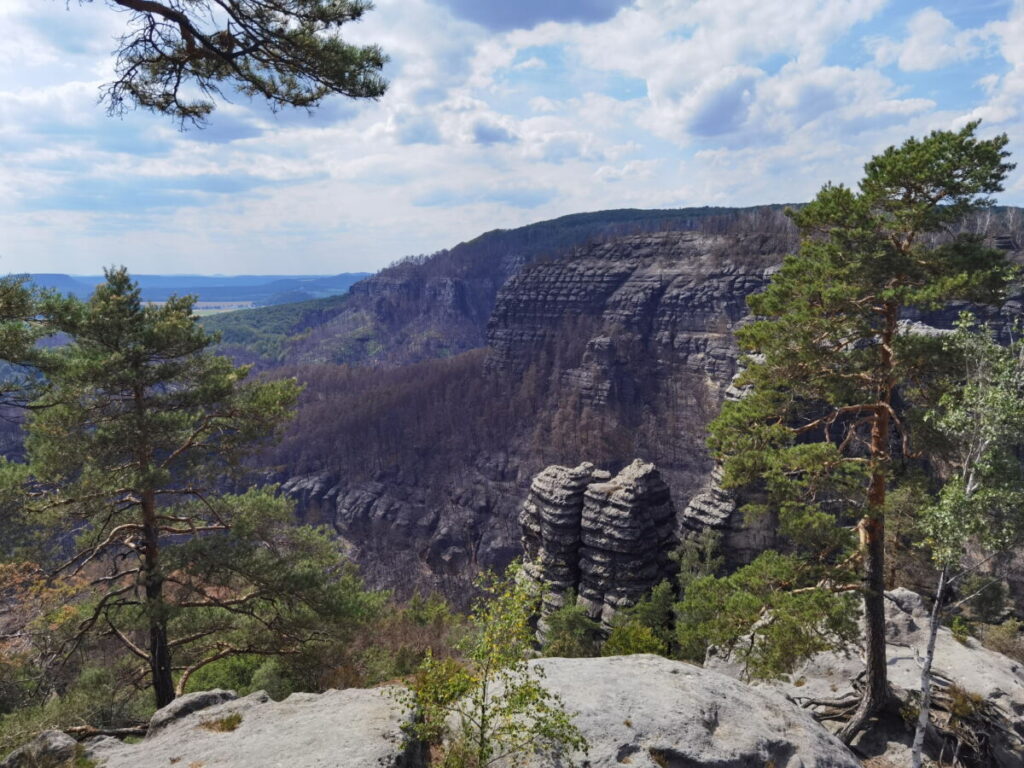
(498, 114)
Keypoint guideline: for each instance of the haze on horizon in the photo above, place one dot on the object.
(498, 115)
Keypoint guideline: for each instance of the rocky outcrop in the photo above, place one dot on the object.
(661, 299)
(353, 727)
(606, 539)
(637, 330)
(649, 712)
(641, 711)
(183, 706)
(614, 349)
(981, 678)
(50, 749)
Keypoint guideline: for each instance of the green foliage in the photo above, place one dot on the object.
(175, 58)
(234, 673)
(814, 435)
(264, 333)
(961, 629)
(769, 615)
(986, 597)
(571, 633)
(97, 695)
(976, 427)
(493, 706)
(633, 637)
(140, 428)
(699, 556)
(647, 627)
(1006, 638)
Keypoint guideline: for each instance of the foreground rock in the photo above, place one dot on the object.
(647, 711)
(50, 749)
(336, 729)
(642, 711)
(989, 688)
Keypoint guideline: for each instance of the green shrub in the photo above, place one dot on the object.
(1006, 638)
(233, 673)
(571, 633)
(989, 601)
(633, 637)
(961, 629)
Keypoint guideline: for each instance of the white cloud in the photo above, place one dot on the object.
(664, 104)
(932, 42)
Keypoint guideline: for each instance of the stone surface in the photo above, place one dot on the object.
(605, 538)
(336, 729)
(186, 705)
(648, 712)
(993, 676)
(50, 749)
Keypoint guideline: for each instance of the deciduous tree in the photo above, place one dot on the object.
(978, 421)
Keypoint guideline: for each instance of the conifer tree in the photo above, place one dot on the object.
(821, 425)
(130, 449)
(177, 56)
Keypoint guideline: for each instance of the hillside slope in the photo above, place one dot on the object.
(429, 306)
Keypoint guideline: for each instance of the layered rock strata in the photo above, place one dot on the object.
(605, 539)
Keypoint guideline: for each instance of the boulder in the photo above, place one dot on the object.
(337, 729)
(183, 706)
(50, 749)
(646, 711)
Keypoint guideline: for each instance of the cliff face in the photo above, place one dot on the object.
(612, 351)
(667, 302)
(616, 350)
(422, 307)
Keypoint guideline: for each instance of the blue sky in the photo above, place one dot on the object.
(499, 114)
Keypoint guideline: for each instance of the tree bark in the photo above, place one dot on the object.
(872, 544)
(159, 650)
(926, 675)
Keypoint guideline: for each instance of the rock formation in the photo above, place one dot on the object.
(636, 332)
(50, 749)
(642, 711)
(605, 539)
(646, 711)
(354, 727)
(988, 682)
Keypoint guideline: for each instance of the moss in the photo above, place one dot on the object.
(223, 724)
(82, 760)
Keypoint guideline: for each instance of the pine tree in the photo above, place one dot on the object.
(176, 56)
(821, 425)
(130, 449)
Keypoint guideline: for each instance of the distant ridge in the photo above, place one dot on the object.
(258, 290)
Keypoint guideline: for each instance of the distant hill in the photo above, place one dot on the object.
(260, 290)
(426, 307)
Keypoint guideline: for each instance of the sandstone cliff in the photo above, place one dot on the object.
(616, 350)
(610, 351)
(605, 539)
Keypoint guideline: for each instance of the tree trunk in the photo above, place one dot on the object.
(872, 544)
(926, 675)
(876, 683)
(159, 651)
(153, 579)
